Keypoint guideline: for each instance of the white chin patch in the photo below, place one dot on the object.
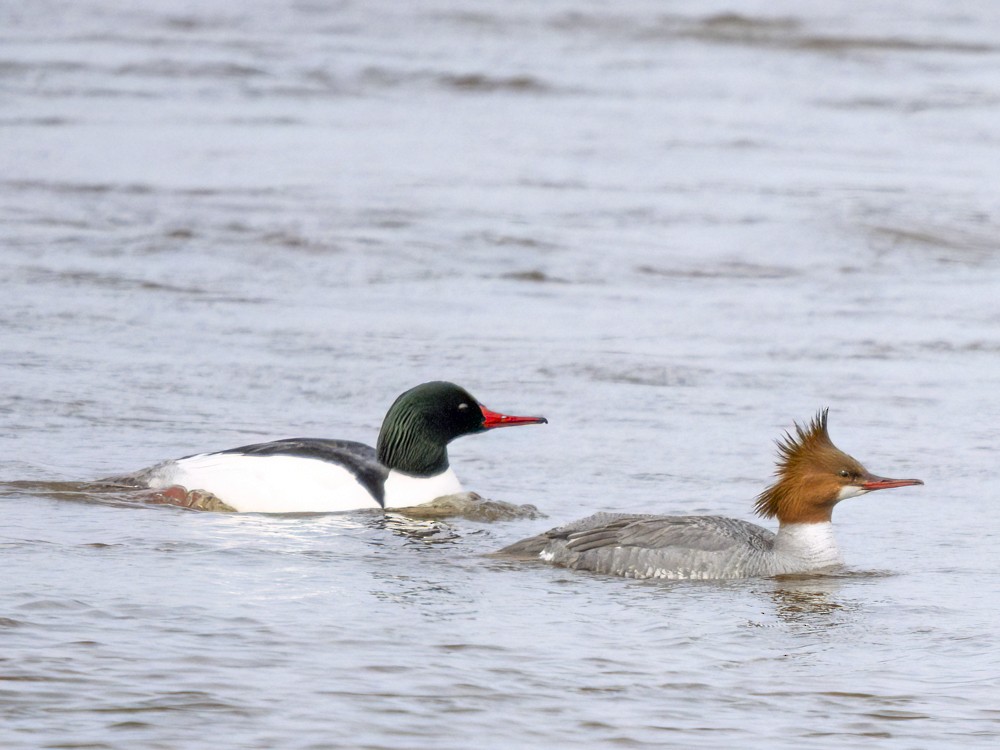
(849, 490)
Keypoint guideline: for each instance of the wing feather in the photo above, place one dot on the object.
(701, 533)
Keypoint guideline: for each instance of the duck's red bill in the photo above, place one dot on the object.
(884, 483)
(493, 419)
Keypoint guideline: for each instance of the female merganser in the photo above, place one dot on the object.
(813, 475)
(408, 467)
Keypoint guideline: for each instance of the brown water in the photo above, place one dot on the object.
(670, 229)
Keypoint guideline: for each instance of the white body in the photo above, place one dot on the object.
(293, 484)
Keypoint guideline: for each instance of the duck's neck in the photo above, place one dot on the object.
(814, 544)
(410, 452)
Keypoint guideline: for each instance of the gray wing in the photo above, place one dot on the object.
(699, 533)
(644, 546)
(532, 546)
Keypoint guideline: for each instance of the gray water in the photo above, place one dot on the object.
(670, 228)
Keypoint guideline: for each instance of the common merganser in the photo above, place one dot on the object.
(813, 475)
(408, 467)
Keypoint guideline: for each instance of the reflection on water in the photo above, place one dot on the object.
(818, 602)
(811, 602)
(417, 530)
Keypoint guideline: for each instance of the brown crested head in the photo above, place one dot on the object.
(813, 475)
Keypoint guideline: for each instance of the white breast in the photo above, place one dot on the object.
(802, 547)
(268, 484)
(403, 490)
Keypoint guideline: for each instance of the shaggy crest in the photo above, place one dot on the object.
(793, 452)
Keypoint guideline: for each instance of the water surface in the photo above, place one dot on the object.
(671, 230)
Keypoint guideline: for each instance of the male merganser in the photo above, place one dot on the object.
(813, 475)
(408, 467)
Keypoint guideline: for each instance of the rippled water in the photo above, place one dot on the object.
(671, 229)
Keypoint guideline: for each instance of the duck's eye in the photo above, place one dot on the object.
(463, 407)
(845, 473)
